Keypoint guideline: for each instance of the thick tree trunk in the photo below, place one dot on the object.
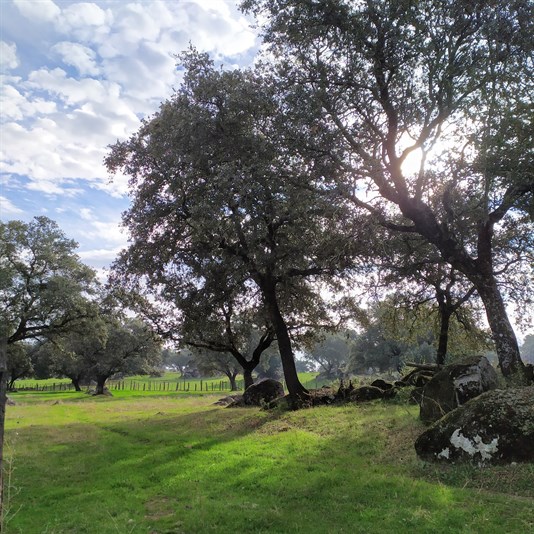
(247, 375)
(100, 384)
(503, 334)
(76, 384)
(297, 391)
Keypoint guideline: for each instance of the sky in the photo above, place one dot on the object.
(78, 76)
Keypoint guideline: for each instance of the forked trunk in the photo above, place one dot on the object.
(233, 383)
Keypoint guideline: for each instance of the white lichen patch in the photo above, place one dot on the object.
(444, 453)
(475, 445)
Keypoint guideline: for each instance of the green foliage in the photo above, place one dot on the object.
(43, 284)
(166, 465)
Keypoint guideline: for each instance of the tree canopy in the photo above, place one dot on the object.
(450, 82)
(216, 192)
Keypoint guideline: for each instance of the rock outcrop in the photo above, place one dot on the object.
(263, 392)
(495, 427)
(454, 385)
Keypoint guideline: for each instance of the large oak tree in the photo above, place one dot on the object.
(450, 81)
(214, 184)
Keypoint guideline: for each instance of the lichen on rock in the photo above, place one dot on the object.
(496, 427)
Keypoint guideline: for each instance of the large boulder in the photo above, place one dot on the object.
(495, 427)
(262, 392)
(454, 385)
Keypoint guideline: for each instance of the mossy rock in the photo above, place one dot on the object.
(495, 427)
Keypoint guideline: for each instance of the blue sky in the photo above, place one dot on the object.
(77, 76)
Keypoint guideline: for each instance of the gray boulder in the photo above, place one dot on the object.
(262, 392)
(454, 385)
(495, 427)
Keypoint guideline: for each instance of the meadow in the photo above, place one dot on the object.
(176, 463)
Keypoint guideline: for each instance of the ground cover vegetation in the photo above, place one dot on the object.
(180, 464)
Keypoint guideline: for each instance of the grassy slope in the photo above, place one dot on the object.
(169, 464)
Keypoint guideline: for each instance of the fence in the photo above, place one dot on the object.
(138, 385)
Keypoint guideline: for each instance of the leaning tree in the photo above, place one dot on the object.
(447, 81)
(213, 182)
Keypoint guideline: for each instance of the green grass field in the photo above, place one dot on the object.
(175, 463)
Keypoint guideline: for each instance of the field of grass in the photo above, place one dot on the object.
(168, 382)
(159, 464)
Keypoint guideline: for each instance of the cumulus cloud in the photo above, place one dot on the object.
(77, 55)
(7, 208)
(8, 56)
(101, 67)
(44, 10)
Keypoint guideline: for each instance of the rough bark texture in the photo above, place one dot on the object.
(247, 375)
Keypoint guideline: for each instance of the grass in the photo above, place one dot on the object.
(177, 463)
(169, 382)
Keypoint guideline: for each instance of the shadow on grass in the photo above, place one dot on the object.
(224, 470)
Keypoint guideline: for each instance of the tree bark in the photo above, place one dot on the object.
(502, 332)
(100, 384)
(76, 384)
(479, 272)
(231, 378)
(297, 391)
(247, 375)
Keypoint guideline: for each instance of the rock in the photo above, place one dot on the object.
(382, 384)
(368, 393)
(262, 392)
(229, 400)
(417, 378)
(454, 385)
(495, 427)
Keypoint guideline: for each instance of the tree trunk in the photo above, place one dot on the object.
(297, 391)
(443, 341)
(502, 332)
(76, 384)
(100, 384)
(231, 378)
(247, 375)
(479, 272)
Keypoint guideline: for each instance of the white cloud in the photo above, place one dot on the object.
(17, 106)
(8, 56)
(43, 10)
(77, 55)
(7, 208)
